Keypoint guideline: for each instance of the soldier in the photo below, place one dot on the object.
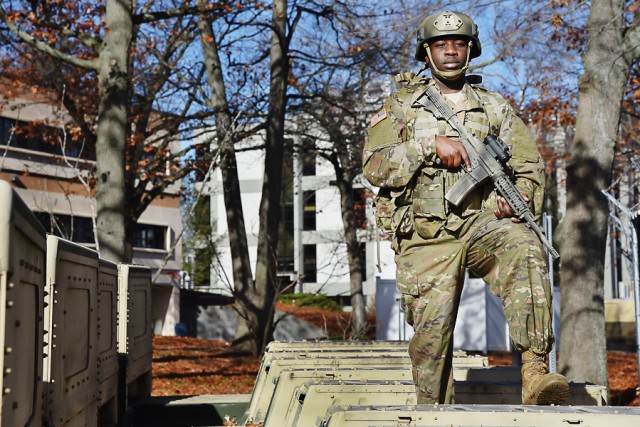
(415, 157)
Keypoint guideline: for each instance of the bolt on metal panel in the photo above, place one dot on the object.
(479, 415)
(290, 380)
(70, 370)
(22, 282)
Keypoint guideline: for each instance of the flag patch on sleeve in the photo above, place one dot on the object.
(378, 117)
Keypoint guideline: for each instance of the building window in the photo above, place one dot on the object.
(310, 267)
(308, 158)
(362, 255)
(309, 210)
(286, 241)
(75, 228)
(43, 139)
(148, 236)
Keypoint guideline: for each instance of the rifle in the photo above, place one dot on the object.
(488, 160)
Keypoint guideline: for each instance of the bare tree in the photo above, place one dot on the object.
(226, 138)
(613, 46)
(334, 99)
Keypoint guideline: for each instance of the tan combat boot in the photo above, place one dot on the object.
(539, 387)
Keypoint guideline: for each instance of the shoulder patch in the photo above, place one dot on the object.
(378, 117)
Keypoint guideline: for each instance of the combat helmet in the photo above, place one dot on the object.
(444, 24)
(447, 23)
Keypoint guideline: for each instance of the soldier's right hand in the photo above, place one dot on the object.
(451, 153)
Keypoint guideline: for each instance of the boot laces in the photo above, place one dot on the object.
(538, 368)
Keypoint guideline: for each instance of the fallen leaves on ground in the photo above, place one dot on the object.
(193, 366)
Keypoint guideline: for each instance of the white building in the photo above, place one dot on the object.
(312, 252)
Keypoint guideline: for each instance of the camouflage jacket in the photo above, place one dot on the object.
(400, 158)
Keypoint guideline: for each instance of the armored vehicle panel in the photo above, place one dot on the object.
(134, 325)
(342, 355)
(313, 398)
(107, 331)
(22, 281)
(479, 415)
(70, 371)
(280, 348)
(265, 386)
(326, 345)
(290, 381)
(345, 350)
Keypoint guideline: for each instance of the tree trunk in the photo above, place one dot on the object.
(356, 275)
(113, 129)
(242, 276)
(262, 297)
(607, 63)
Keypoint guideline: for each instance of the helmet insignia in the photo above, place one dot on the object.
(447, 21)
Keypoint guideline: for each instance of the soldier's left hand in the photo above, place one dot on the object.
(505, 211)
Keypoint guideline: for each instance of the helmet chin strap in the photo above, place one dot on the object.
(448, 75)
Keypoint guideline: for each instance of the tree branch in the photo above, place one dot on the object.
(147, 17)
(86, 64)
(89, 41)
(632, 41)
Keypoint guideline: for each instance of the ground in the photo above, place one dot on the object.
(191, 366)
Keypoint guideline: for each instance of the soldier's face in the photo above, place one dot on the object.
(448, 53)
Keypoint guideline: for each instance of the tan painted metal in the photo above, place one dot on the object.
(22, 282)
(135, 332)
(290, 381)
(107, 331)
(479, 415)
(331, 355)
(71, 315)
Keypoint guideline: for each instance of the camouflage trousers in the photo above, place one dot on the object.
(430, 276)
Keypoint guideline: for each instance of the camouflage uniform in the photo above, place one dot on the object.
(434, 241)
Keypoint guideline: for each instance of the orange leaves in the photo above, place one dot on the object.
(561, 3)
(556, 20)
(75, 132)
(355, 49)
(13, 16)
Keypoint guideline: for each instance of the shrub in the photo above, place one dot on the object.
(310, 300)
